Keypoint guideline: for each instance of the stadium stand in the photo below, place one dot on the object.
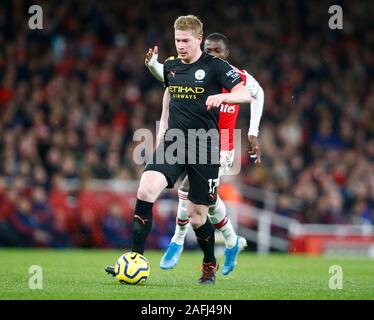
(73, 94)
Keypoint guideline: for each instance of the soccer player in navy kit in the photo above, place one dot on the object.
(194, 83)
(215, 44)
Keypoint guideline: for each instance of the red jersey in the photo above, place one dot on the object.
(228, 116)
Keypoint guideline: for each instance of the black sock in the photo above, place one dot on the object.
(205, 239)
(142, 225)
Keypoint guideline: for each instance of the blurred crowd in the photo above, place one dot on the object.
(73, 94)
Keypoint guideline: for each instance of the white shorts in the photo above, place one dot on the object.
(226, 161)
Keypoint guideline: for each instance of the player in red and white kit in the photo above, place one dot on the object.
(217, 45)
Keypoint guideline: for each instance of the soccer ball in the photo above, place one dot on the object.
(132, 268)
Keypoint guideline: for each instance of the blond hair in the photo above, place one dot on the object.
(189, 23)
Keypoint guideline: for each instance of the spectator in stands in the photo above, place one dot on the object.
(27, 226)
(73, 94)
(115, 228)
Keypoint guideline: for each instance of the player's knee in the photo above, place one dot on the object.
(197, 214)
(196, 220)
(197, 217)
(146, 193)
(151, 185)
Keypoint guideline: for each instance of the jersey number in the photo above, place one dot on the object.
(213, 184)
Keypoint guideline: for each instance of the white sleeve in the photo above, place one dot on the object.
(251, 84)
(257, 106)
(156, 68)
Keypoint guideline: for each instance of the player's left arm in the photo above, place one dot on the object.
(238, 95)
(228, 78)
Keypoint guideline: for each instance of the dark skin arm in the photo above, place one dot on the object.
(255, 151)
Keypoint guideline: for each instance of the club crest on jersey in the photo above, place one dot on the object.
(173, 72)
(200, 74)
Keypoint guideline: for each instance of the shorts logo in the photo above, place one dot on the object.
(200, 74)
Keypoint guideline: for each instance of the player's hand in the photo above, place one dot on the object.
(214, 101)
(255, 151)
(151, 55)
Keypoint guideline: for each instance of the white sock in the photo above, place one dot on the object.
(220, 220)
(183, 221)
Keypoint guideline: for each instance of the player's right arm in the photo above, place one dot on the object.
(257, 106)
(154, 67)
(164, 117)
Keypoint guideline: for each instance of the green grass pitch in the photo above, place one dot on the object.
(79, 274)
